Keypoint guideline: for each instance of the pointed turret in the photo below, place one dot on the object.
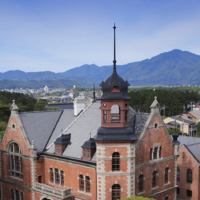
(14, 109)
(155, 106)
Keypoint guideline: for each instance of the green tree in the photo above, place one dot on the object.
(173, 130)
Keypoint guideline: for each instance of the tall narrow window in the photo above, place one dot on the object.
(115, 113)
(62, 177)
(116, 192)
(189, 176)
(177, 191)
(84, 153)
(150, 154)
(57, 176)
(87, 180)
(12, 194)
(15, 161)
(51, 175)
(115, 161)
(81, 183)
(88, 153)
(17, 194)
(155, 153)
(189, 193)
(160, 149)
(166, 175)
(178, 174)
(140, 184)
(154, 179)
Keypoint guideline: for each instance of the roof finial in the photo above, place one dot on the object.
(155, 97)
(90, 134)
(114, 61)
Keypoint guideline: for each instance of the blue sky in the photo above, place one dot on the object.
(56, 35)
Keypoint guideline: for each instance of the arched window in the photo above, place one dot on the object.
(150, 154)
(189, 176)
(155, 153)
(51, 175)
(57, 176)
(140, 184)
(15, 161)
(115, 161)
(154, 179)
(81, 183)
(87, 182)
(62, 177)
(178, 174)
(116, 192)
(166, 175)
(160, 150)
(115, 113)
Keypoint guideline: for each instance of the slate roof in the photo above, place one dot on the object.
(65, 120)
(192, 144)
(39, 126)
(87, 122)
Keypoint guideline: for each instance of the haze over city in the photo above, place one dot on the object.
(59, 35)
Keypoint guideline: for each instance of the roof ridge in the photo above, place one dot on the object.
(192, 144)
(40, 111)
(71, 124)
(53, 130)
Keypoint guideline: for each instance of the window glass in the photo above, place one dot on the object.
(115, 161)
(116, 192)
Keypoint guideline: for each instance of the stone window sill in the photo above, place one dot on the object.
(83, 192)
(167, 184)
(190, 184)
(62, 186)
(154, 188)
(14, 177)
(140, 193)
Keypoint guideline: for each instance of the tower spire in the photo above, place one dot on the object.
(114, 61)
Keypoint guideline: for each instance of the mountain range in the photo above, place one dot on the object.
(175, 67)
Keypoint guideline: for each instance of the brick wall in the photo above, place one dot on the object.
(184, 162)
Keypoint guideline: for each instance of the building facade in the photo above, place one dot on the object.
(106, 152)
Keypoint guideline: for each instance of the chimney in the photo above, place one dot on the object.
(79, 105)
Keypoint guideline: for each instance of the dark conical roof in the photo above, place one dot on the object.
(90, 144)
(115, 81)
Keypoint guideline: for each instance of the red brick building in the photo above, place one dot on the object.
(188, 169)
(106, 152)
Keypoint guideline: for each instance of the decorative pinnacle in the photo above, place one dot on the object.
(155, 97)
(114, 61)
(90, 134)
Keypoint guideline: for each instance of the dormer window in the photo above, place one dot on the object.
(61, 143)
(88, 149)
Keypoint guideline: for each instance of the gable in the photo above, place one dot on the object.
(154, 134)
(15, 134)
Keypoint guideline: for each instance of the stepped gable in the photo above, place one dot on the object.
(39, 126)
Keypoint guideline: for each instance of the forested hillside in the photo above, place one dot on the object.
(175, 102)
